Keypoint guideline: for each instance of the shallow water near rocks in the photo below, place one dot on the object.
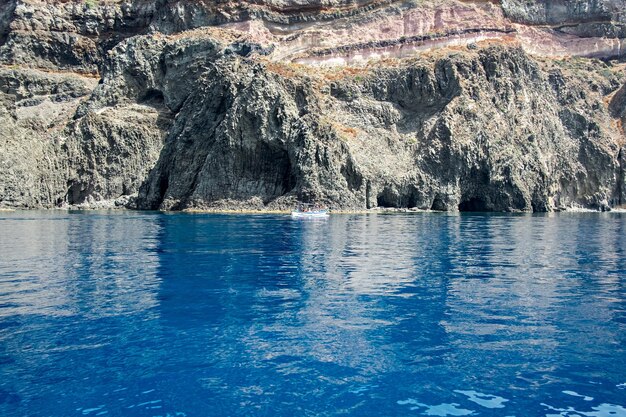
(152, 314)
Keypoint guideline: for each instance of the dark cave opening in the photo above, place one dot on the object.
(411, 200)
(77, 192)
(438, 205)
(288, 180)
(387, 199)
(473, 204)
(390, 198)
(269, 166)
(152, 97)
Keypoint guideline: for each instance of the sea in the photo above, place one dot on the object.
(122, 313)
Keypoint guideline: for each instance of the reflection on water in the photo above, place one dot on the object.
(145, 314)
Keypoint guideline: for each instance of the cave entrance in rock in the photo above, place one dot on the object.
(473, 204)
(438, 205)
(152, 97)
(272, 168)
(387, 199)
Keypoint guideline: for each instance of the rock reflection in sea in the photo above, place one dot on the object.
(136, 314)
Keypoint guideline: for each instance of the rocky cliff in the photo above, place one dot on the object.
(431, 104)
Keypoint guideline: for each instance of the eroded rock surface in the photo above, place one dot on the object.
(442, 104)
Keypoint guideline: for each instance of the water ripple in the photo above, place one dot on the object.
(137, 314)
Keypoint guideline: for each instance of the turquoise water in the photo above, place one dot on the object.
(150, 314)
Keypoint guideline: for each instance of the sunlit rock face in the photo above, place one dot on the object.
(429, 104)
(78, 34)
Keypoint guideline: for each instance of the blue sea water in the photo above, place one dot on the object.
(152, 314)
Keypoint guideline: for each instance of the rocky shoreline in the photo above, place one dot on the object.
(237, 209)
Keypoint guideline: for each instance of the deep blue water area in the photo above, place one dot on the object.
(153, 314)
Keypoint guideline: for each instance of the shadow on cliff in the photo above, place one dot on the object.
(617, 108)
(228, 143)
(7, 7)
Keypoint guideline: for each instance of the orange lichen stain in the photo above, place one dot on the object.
(343, 132)
(507, 40)
(318, 75)
(346, 130)
(217, 33)
(342, 73)
(288, 69)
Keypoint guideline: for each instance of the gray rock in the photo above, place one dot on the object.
(208, 120)
(491, 131)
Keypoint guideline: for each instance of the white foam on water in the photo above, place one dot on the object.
(564, 412)
(485, 400)
(447, 410)
(441, 410)
(148, 403)
(606, 410)
(87, 411)
(602, 410)
(410, 401)
(575, 394)
(621, 386)
(362, 389)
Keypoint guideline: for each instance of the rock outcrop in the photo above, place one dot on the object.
(443, 105)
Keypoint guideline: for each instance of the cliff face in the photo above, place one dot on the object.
(486, 130)
(446, 105)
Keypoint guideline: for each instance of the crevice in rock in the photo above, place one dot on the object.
(353, 178)
(163, 186)
(621, 172)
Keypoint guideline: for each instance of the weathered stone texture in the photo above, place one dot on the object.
(99, 107)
